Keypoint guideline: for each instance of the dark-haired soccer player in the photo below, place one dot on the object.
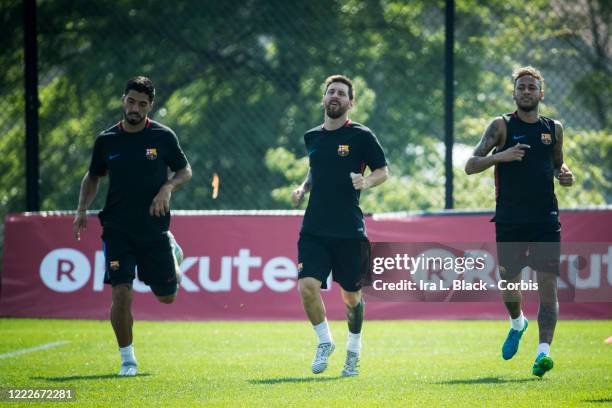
(136, 154)
(528, 156)
(333, 235)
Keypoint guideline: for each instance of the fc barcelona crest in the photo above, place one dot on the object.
(343, 150)
(151, 154)
(546, 138)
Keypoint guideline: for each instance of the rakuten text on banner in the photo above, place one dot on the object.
(244, 267)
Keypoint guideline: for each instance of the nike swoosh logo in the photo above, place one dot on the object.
(114, 156)
(518, 137)
(310, 152)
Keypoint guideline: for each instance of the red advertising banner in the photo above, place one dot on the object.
(243, 267)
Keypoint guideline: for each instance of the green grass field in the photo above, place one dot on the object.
(262, 364)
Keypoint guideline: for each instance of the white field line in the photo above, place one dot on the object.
(32, 349)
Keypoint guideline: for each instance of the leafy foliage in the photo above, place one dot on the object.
(240, 82)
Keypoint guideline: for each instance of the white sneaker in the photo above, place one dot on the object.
(324, 350)
(128, 369)
(178, 256)
(351, 365)
(176, 249)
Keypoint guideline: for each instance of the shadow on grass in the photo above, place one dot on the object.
(599, 401)
(285, 380)
(485, 380)
(87, 377)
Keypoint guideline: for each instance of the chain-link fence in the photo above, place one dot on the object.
(570, 43)
(240, 81)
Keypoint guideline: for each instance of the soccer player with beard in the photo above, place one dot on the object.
(136, 153)
(528, 156)
(333, 236)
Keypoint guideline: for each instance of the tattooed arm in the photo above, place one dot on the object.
(495, 135)
(492, 136)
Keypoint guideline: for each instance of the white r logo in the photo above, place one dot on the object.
(65, 270)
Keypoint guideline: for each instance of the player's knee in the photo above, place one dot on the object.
(547, 290)
(122, 294)
(122, 289)
(547, 280)
(510, 274)
(166, 299)
(352, 302)
(351, 299)
(547, 287)
(308, 290)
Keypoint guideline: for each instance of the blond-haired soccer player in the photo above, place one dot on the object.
(528, 156)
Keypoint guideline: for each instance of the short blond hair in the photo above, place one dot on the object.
(528, 71)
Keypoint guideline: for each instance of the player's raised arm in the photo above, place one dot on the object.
(89, 190)
(494, 136)
(298, 194)
(562, 171)
(480, 160)
(377, 177)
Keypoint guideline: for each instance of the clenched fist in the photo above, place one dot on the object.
(565, 176)
(359, 182)
(297, 195)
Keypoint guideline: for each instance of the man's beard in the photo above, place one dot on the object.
(133, 118)
(528, 108)
(335, 114)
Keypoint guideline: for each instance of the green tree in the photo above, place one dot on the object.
(239, 80)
